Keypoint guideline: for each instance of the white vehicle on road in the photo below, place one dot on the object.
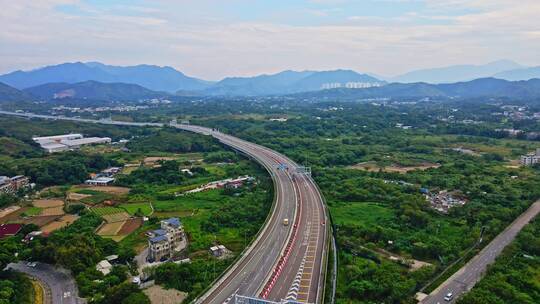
(449, 296)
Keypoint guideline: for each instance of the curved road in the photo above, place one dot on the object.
(284, 262)
(61, 284)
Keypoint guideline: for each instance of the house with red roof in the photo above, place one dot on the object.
(9, 229)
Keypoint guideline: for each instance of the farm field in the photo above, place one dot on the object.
(110, 229)
(130, 226)
(106, 210)
(59, 223)
(33, 211)
(110, 190)
(38, 220)
(73, 196)
(116, 217)
(53, 211)
(48, 203)
(132, 208)
(6, 211)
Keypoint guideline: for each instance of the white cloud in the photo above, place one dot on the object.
(37, 34)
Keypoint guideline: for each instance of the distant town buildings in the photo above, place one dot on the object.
(349, 85)
(165, 241)
(11, 185)
(59, 143)
(531, 158)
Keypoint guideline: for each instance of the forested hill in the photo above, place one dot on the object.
(485, 87)
(10, 94)
(93, 90)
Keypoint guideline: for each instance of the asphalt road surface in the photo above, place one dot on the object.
(60, 282)
(296, 197)
(465, 278)
(302, 277)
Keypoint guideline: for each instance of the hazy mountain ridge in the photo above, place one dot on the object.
(11, 94)
(485, 87)
(288, 82)
(93, 90)
(520, 74)
(149, 76)
(456, 73)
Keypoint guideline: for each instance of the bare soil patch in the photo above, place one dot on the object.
(110, 189)
(48, 203)
(130, 226)
(116, 217)
(72, 196)
(40, 220)
(110, 228)
(53, 211)
(159, 295)
(13, 216)
(8, 210)
(59, 223)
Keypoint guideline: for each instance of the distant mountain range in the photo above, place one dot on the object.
(149, 76)
(290, 82)
(93, 90)
(11, 94)
(170, 80)
(484, 87)
(94, 80)
(458, 73)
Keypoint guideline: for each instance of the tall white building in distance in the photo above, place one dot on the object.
(531, 158)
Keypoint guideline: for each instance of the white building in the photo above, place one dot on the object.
(104, 267)
(56, 138)
(100, 181)
(59, 143)
(531, 159)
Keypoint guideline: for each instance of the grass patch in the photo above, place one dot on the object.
(32, 211)
(360, 212)
(135, 207)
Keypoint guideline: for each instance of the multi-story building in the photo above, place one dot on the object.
(13, 184)
(165, 241)
(531, 159)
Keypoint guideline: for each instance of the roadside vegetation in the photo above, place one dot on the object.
(514, 276)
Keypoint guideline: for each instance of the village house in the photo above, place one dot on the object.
(165, 241)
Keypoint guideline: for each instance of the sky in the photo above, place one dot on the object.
(212, 39)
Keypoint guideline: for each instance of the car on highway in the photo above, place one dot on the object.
(449, 296)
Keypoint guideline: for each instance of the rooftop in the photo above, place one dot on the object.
(173, 221)
(157, 239)
(84, 141)
(158, 232)
(9, 229)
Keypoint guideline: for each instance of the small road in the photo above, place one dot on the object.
(466, 277)
(59, 281)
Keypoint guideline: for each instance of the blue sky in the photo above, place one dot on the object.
(216, 38)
